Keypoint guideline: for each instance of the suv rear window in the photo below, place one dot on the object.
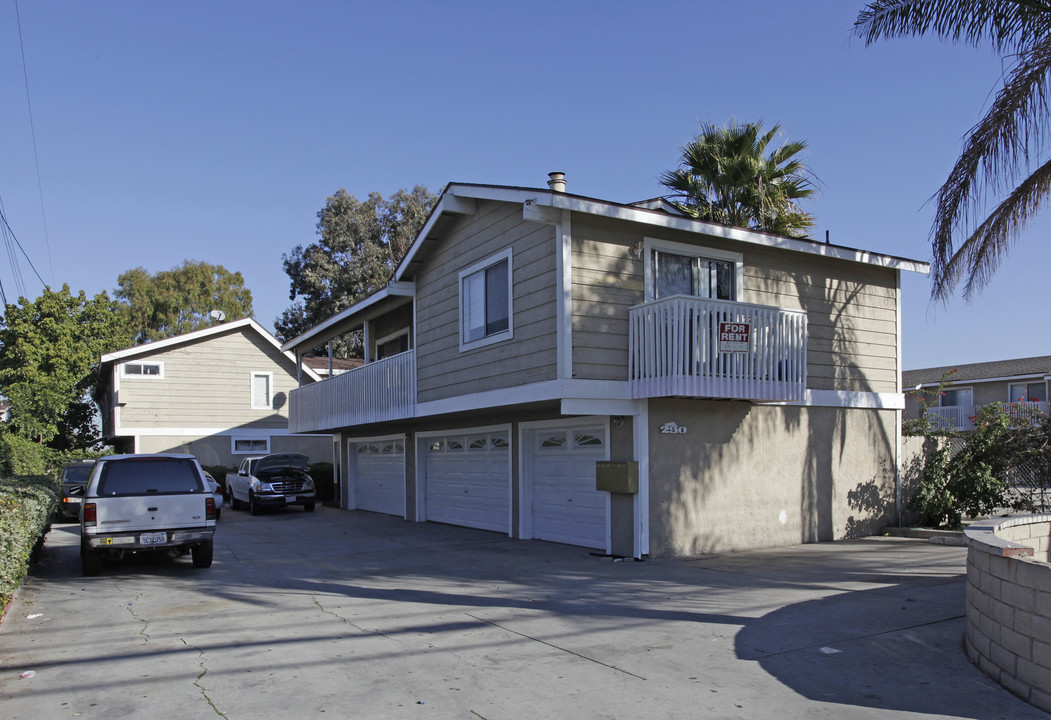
(149, 476)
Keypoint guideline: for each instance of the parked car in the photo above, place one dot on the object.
(146, 503)
(217, 491)
(74, 478)
(271, 481)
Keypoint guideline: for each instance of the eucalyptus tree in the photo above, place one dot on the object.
(1002, 177)
(731, 175)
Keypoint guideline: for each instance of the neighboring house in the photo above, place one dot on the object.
(1021, 385)
(220, 393)
(619, 377)
(325, 366)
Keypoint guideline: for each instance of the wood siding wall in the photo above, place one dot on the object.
(530, 356)
(207, 384)
(851, 307)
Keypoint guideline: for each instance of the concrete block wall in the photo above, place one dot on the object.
(1009, 604)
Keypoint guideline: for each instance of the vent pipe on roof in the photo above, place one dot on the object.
(557, 183)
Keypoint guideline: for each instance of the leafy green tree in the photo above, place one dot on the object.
(49, 355)
(1004, 161)
(359, 246)
(179, 300)
(727, 175)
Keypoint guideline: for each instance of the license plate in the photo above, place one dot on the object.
(153, 538)
(290, 498)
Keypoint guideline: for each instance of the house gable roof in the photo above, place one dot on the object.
(247, 323)
(978, 372)
(459, 199)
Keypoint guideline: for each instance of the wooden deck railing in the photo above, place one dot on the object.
(380, 391)
(694, 347)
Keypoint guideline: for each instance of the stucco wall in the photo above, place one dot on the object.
(1009, 604)
(746, 476)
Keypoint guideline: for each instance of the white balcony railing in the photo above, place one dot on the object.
(380, 391)
(675, 350)
(961, 417)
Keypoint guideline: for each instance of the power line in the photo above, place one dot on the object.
(9, 237)
(36, 158)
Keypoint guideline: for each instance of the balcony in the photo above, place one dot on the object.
(695, 347)
(377, 392)
(961, 417)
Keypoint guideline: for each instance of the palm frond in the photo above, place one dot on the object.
(983, 252)
(1008, 26)
(996, 152)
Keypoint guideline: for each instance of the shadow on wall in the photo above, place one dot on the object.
(838, 462)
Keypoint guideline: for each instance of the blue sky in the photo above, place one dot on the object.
(215, 131)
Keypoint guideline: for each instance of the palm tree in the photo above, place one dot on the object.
(727, 177)
(999, 152)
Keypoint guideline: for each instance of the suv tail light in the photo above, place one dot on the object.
(209, 508)
(89, 514)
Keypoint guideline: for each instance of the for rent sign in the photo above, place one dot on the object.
(735, 337)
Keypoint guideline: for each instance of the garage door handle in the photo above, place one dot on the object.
(149, 509)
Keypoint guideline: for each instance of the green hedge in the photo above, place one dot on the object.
(26, 507)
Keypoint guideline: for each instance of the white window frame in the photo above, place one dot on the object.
(158, 376)
(697, 251)
(507, 334)
(270, 384)
(1013, 397)
(234, 439)
(957, 388)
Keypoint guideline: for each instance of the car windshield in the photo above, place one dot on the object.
(76, 474)
(149, 476)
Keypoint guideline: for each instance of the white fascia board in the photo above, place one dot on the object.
(1005, 378)
(392, 289)
(649, 217)
(450, 202)
(207, 432)
(852, 399)
(202, 334)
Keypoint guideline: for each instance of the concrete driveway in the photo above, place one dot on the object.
(356, 615)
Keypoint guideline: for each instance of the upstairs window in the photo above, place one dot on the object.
(153, 370)
(1028, 392)
(485, 302)
(262, 391)
(957, 397)
(679, 269)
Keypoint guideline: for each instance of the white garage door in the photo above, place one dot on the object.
(379, 476)
(469, 480)
(566, 507)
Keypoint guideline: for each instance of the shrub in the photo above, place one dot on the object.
(26, 506)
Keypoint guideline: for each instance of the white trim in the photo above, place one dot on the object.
(641, 431)
(450, 202)
(142, 376)
(1004, 378)
(526, 431)
(420, 479)
(269, 389)
(851, 399)
(480, 266)
(564, 304)
(210, 432)
(696, 251)
(615, 396)
(899, 468)
(594, 406)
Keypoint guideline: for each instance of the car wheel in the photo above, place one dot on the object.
(90, 560)
(309, 507)
(218, 514)
(202, 555)
(235, 504)
(253, 507)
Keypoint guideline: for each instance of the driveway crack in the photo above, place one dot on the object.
(144, 630)
(200, 676)
(552, 645)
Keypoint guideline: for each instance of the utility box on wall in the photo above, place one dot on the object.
(617, 476)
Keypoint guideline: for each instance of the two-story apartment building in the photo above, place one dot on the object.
(1019, 384)
(619, 377)
(220, 394)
